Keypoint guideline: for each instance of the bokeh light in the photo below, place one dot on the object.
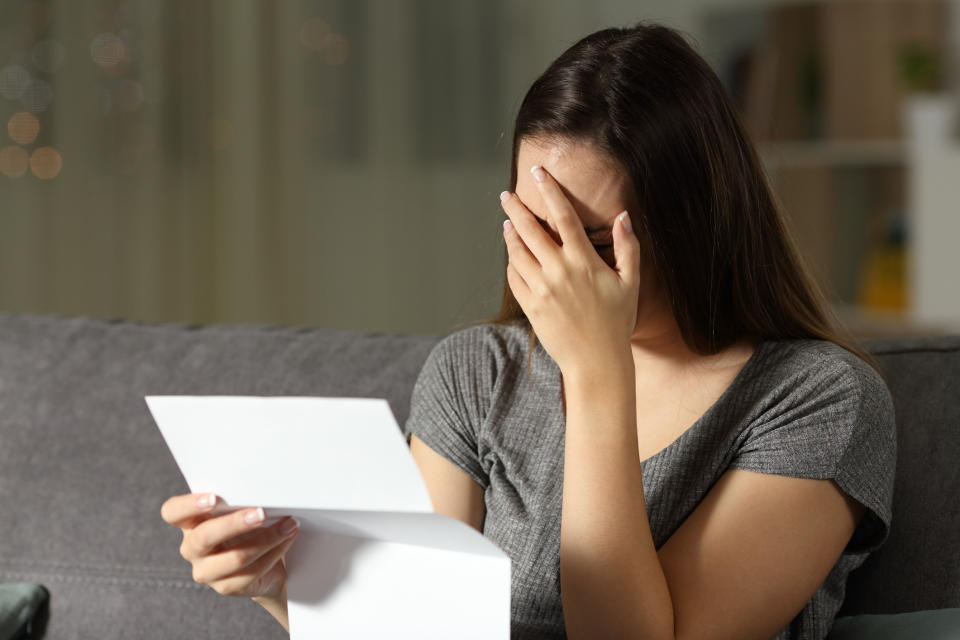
(45, 163)
(317, 36)
(108, 50)
(14, 161)
(336, 49)
(48, 56)
(313, 34)
(23, 127)
(13, 79)
(37, 95)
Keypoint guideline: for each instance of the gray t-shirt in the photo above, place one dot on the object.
(802, 408)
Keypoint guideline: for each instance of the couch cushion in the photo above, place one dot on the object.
(84, 470)
(939, 624)
(919, 566)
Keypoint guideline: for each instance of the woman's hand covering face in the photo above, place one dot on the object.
(582, 309)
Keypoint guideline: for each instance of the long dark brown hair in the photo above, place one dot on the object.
(704, 209)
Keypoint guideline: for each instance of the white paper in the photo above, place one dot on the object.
(372, 560)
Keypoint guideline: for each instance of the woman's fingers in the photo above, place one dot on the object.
(519, 288)
(260, 577)
(520, 257)
(233, 553)
(180, 510)
(561, 211)
(626, 250)
(237, 557)
(209, 534)
(526, 225)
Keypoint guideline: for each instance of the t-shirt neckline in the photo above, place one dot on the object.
(745, 373)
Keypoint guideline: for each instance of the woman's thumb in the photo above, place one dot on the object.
(626, 249)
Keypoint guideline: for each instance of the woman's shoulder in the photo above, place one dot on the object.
(486, 342)
(840, 412)
(466, 373)
(810, 397)
(813, 409)
(817, 367)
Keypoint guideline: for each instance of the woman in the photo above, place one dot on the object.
(662, 428)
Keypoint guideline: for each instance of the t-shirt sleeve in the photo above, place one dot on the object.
(448, 401)
(835, 421)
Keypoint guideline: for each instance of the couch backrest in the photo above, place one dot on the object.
(919, 565)
(84, 470)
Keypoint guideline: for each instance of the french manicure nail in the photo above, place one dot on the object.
(504, 196)
(538, 173)
(206, 500)
(253, 517)
(507, 225)
(625, 221)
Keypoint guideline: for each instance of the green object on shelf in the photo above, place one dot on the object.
(920, 67)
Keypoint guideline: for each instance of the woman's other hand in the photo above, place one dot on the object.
(582, 310)
(236, 554)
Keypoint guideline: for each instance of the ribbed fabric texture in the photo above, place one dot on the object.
(802, 408)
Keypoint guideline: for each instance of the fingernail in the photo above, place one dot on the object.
(289, 527)
(504, 196)
(206, 500)
(625, 221)
(507, 225)
(538, 174)
(253, 517)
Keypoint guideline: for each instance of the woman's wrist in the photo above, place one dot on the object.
(595, 372)
(276, 606)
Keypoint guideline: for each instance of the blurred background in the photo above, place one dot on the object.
(336, 163)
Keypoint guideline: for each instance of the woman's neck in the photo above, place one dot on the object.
(656, 337)
(658, 347)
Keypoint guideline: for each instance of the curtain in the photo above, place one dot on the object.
(328, 163)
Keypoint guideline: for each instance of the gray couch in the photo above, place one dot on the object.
(83, 469)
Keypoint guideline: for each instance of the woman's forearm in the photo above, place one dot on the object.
(612, 583)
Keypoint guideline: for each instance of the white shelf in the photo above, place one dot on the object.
(933, 197)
